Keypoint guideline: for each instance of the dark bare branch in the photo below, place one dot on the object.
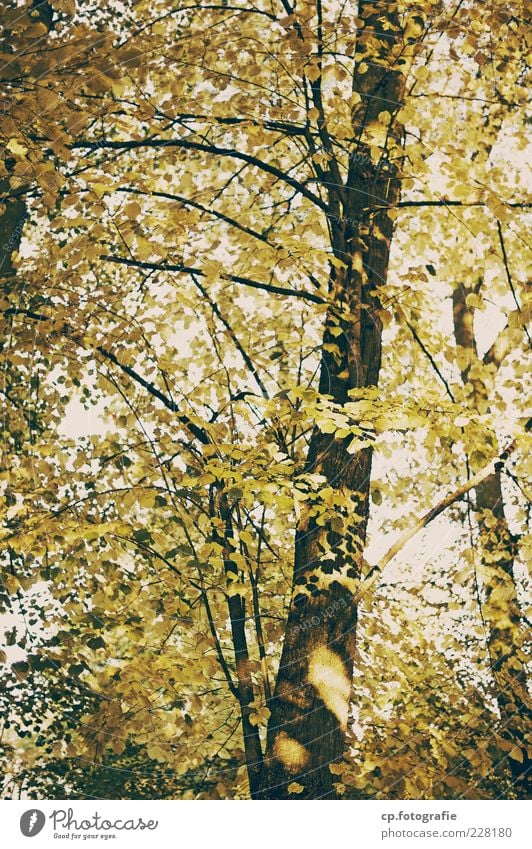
(234, 278)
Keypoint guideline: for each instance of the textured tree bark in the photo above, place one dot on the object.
(309, 708)
(11, 227)
(13, 217)
(500, 610)
(19, 415)
(17, 418)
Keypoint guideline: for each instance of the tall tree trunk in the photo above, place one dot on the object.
(500, 610)
(309, 709)
(13, 215)
(13, 381)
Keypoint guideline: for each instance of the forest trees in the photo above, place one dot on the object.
(246, 251)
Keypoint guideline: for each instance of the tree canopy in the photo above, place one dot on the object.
(264, 414)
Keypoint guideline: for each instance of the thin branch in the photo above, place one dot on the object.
(30, 419)
(509, 277)
(219, 652)
(194, 429)
(254, 580)
(499, 349)
(272, 126)
(244, 281)
(197, 431)
(431, 359)
(184, 144)
(418, 524)
(241, 350)
(417, 203)
(197, 7)
(214, 212)
(460, 97)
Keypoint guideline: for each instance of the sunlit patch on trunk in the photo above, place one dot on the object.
(290, 753)
(327, 675)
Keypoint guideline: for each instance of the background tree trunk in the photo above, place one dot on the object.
(500, 609)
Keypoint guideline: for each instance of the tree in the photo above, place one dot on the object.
(498, 546)
(217, 199)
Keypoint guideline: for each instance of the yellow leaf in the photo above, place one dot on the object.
(66, 6)
(312, 72)
(475, 302)
(336, 769)
(157, 753)
(132, 210)
(517, 754)
(16, 147)
(294, 787)
(100, 189)
(147, 499)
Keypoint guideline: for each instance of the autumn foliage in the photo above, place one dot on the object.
(264, 428)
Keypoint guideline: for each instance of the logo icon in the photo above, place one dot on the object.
(32, 822)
